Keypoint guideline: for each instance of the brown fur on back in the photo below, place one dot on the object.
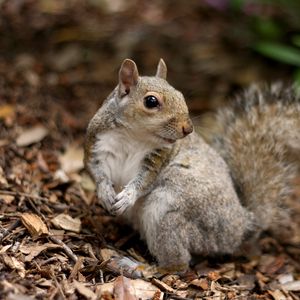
(260, 131)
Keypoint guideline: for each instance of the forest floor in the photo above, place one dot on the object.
(56, 242)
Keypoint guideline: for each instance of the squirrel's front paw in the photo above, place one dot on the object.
(124, 200)
(106, 194)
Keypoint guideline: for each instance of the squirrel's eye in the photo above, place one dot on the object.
(151, 101)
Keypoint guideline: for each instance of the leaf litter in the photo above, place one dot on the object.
(56, 240)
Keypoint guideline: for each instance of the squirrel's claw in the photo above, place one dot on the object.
(106, 195)
(124, 200)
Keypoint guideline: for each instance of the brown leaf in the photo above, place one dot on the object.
(292, 286)
(34, 250)
(31, 136)
(202, 283)
(6, 110)
(123, 289)
(277, 295)
(34, 224)
(164, 287)
(66, 222)
(72, 160)
(84, 291)
(14, 264)
(140, 288)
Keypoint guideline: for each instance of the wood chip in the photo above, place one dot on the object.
(292, 286)
(201, 283)
(34, 250)
(14, 264)
(72, 160)
(66, 222)
(164, 287)
(122, 289)
(34, 224)
(277, 295)
(140, 288)
(84, 291)
(6, 110)
(31, 136)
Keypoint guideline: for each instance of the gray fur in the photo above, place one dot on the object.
(182, 199)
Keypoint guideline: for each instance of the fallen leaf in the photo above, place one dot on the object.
(31, 136)
(164, 287)
(277, 295)
(201, 283)
(3, 180)
(84, 291)
(6, 110)
(292, 286)
(123, 288)
(66, 222)
(140, 288)
(34, 224)
(8, 199)
(72, 160)
(34, 250)
(14, 264)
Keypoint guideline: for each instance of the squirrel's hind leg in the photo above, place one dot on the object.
(165, 230)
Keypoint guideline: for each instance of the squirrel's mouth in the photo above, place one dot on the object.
(169, 141)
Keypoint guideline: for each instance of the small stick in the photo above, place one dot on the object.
(13, 193)
(7, 231)
(66, 248)
(60, 290)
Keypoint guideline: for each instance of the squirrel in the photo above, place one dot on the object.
(184, 196)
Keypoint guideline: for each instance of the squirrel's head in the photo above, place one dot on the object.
(150, 106)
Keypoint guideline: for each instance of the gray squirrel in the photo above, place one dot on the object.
(183, 196)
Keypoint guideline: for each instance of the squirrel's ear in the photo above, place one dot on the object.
(128, 76)
(161, 69)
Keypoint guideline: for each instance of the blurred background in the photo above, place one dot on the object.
(59, 58)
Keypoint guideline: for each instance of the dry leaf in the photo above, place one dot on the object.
(292, 286)
(122, 289)
(72, 160)
(164, 287)
(277, 295)
(6, 110)
(3, 180)
(84, 291)
(8, 199)
(140, 288)
(31, 136)
(14, 264)
(66, 222)
(202, 283)
(34, 249)
(34, 224)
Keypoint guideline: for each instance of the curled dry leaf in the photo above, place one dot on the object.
(31, 136)
(34, 224)
(72, 160)
(292, 286)
(66, 222)
(14, 264)
(123, 289)
(6, 110)
(34, 250)
(84, 291)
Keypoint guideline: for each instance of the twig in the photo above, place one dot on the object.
(7, 231)
(36, 210)
(66, 248)
(13, 193)
(60, 290)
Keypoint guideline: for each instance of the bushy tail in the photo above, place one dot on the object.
(260, 141)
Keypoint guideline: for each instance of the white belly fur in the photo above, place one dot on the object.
(120, 155)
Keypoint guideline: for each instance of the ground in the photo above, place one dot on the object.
(58, 62)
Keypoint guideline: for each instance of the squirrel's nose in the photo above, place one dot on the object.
(187, 129)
